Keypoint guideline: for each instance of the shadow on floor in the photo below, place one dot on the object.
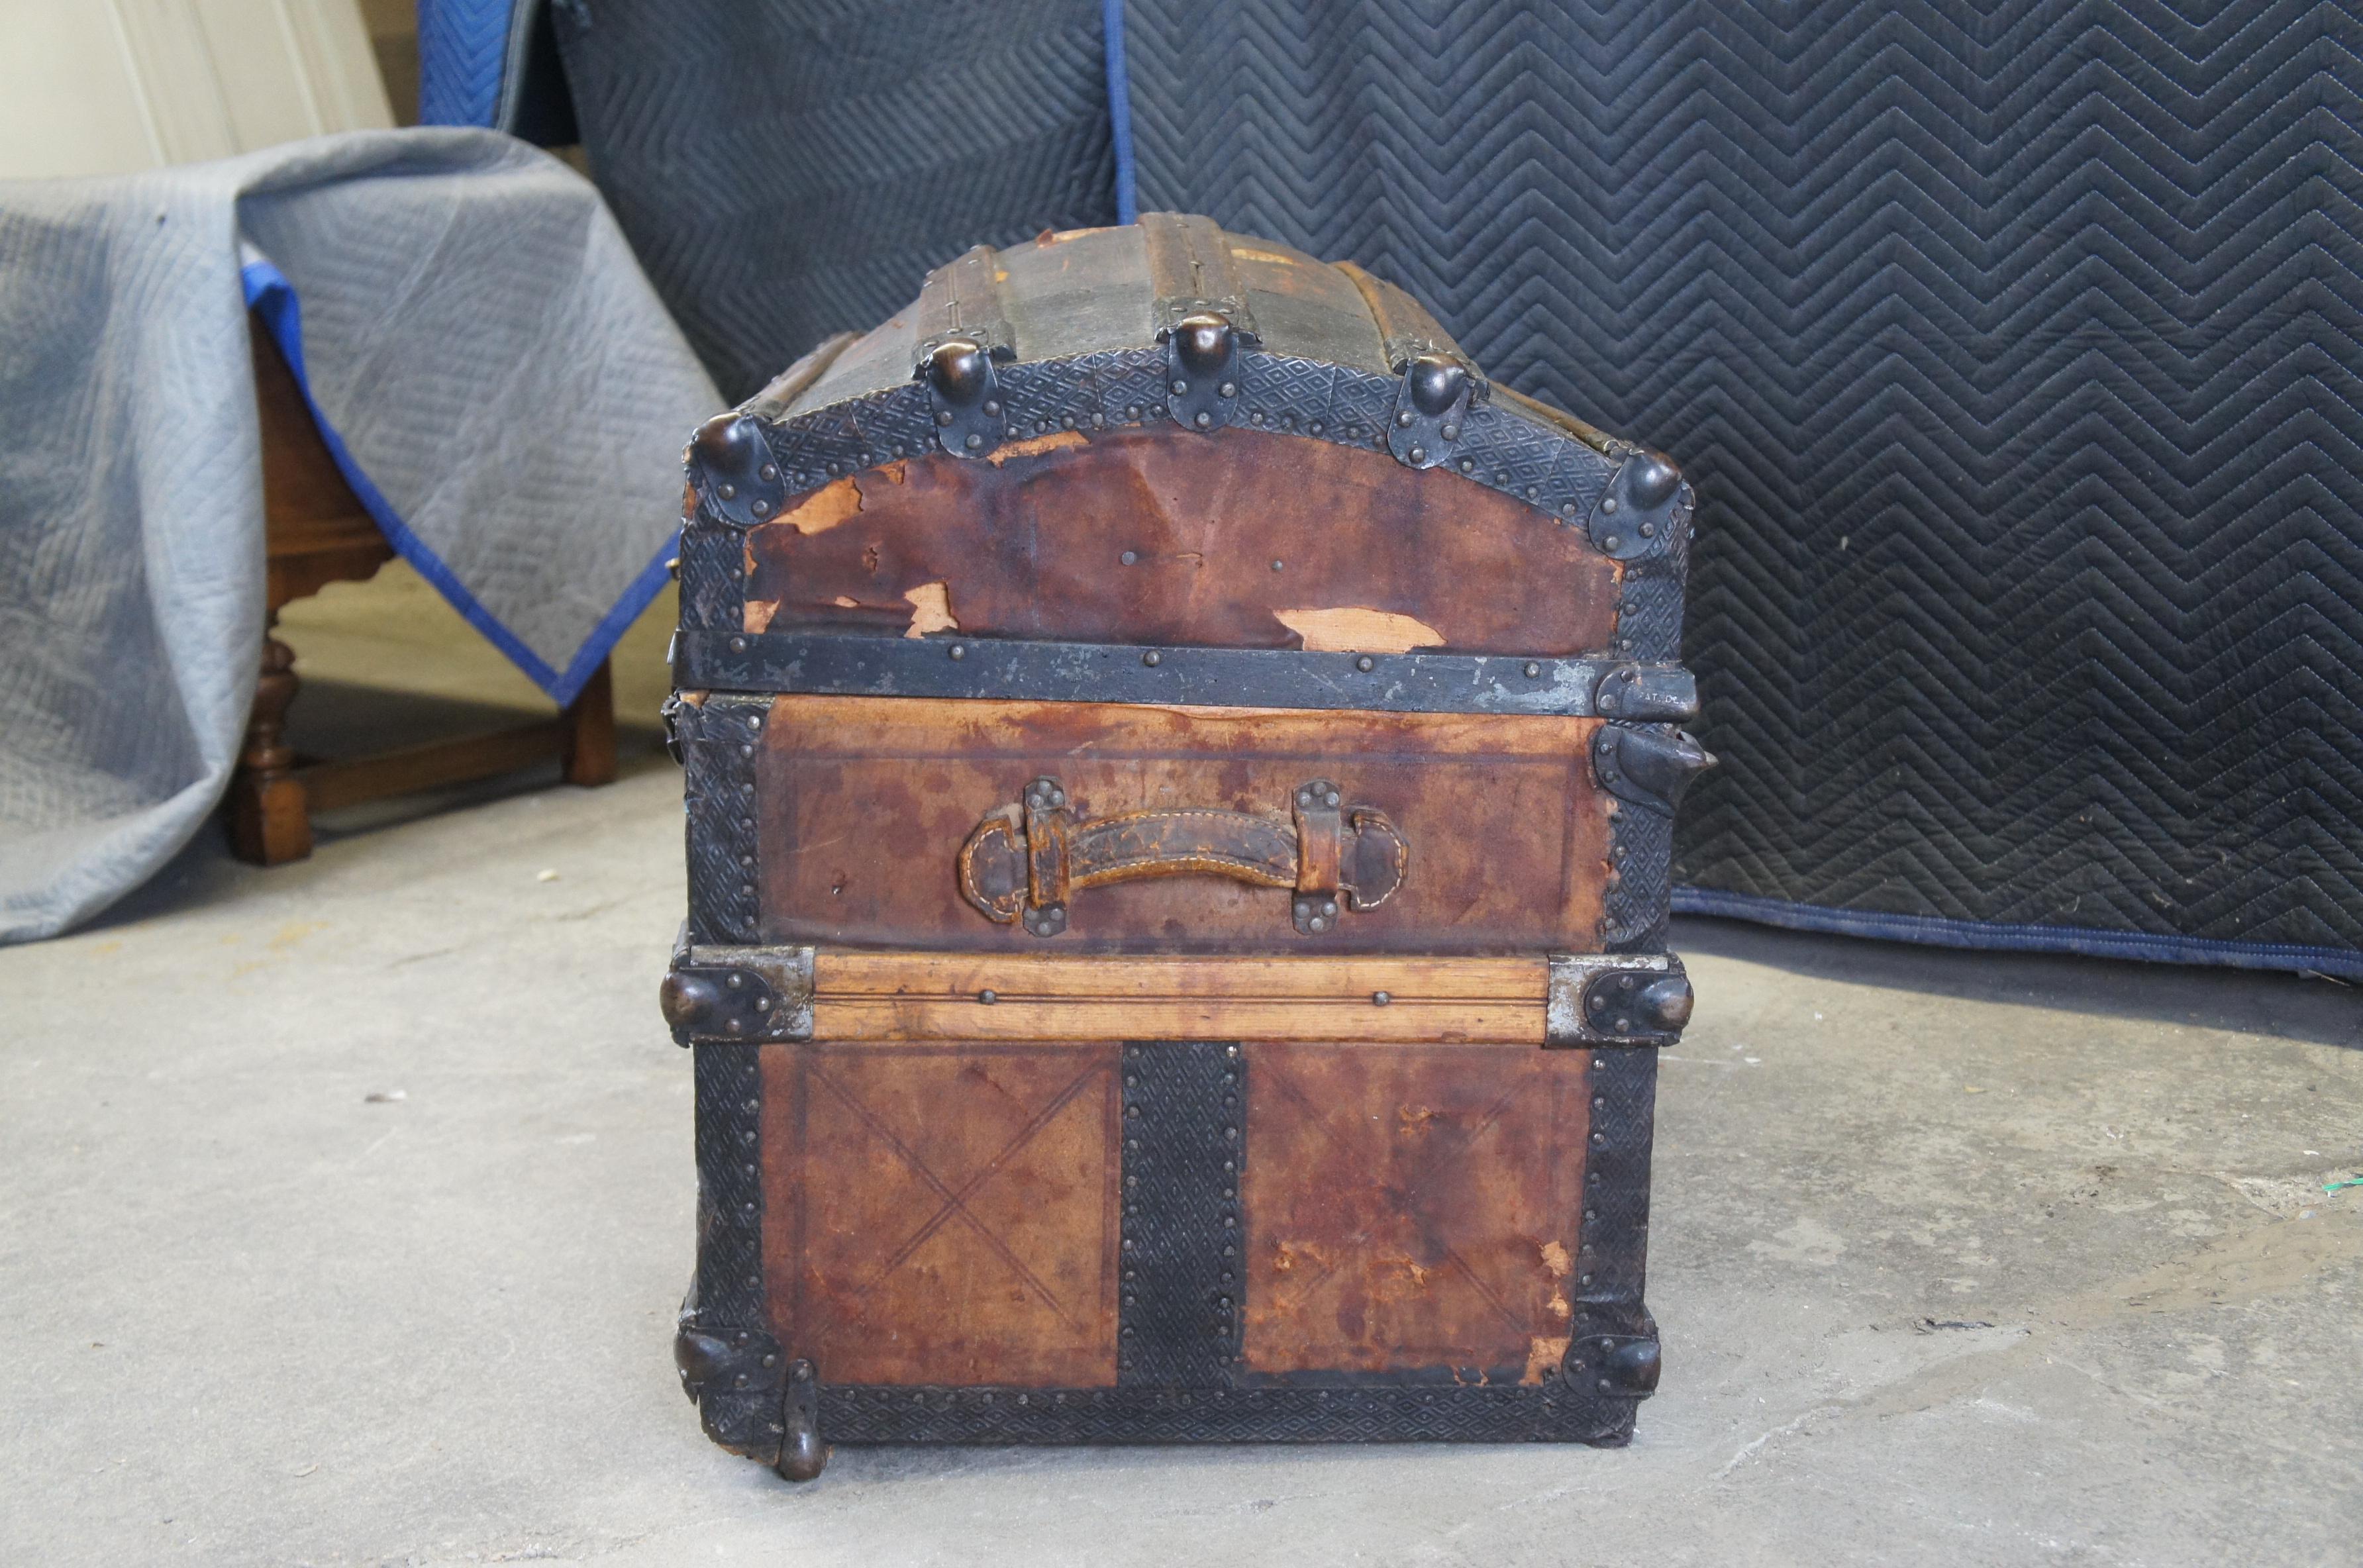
(2319, 1010)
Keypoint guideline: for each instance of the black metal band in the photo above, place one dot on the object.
(1551, 1413)
(727, 1304)
(720, 741)
(853, 664)
(1184, 1143)
(1612, 1242)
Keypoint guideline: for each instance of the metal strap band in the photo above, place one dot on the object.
(962, 299)
(854, 664)
(1190, 270)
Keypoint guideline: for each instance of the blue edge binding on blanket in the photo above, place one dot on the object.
(268, 293)
(474, 101)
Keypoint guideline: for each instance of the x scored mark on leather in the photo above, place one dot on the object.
(955, 1201)
(1437, 1152)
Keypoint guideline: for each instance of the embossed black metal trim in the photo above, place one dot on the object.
(855, 664)
(738, 993)
(1570, 1018)
(1184, 1147)
(721, 740)
(1552, 1412)
(1612, 1238)
(726, 1305)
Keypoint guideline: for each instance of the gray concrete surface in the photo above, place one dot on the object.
(346, 1206)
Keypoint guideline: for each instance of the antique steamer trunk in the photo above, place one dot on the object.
(1180, 774)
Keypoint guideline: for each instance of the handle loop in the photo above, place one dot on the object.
(1025, 860)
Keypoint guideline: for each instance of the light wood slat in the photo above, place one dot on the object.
(933, 996)
(842, 973)
(1496, 1023)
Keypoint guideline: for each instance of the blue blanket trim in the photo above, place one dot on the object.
(1936, 932)
(270, 294)
(463, 49)
(1127, 199)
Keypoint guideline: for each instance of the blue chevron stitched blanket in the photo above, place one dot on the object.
(491, 371)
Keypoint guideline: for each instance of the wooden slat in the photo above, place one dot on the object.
(938, 996)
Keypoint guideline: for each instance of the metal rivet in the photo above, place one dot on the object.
(1132, 410)
(1129, 558)
(1203, 421)
(1152, 659)
(1648, 530)
(1468, 465)
(1452, 432)
(1011, 431)
(959, 650)
(1315, 427)
(729, 491)
(1533, 670)
(1228, 389)
(988, 997)
(1365, 663)
(1180, 388)
(973, 442)
(1419, 454)
(1381, 998)
(1278, 564)
(992, 405)
(737, 645)
(1609, 504)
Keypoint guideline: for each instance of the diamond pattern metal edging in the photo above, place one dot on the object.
(1184, 1147)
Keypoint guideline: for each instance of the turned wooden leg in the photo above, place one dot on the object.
(588, 746)
(269, 814)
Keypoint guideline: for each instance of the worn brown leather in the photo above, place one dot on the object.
(1034, 854)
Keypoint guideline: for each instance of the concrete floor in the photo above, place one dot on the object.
(347, 1205)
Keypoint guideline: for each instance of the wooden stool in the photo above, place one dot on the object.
(318, 533)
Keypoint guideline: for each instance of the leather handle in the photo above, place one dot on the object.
(1025, 860)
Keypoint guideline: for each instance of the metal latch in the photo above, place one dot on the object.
(716, 995)
(1615, 998)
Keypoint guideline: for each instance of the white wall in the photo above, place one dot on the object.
(108, 86)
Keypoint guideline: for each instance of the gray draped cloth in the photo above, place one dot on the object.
(492, 371)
